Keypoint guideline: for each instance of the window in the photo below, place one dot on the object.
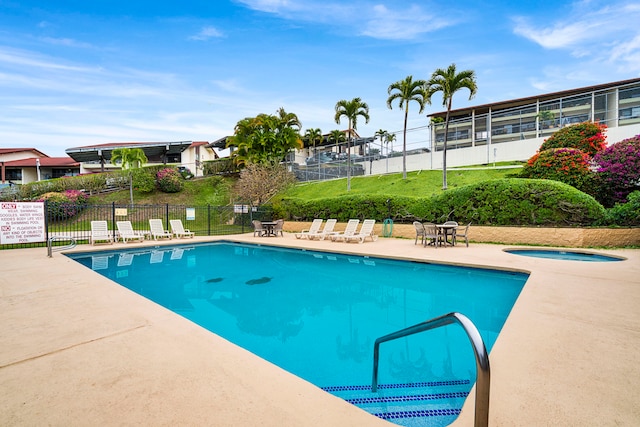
(13, 174)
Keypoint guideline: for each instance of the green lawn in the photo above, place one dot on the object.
(421, 183)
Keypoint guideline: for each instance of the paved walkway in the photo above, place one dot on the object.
(77, 350)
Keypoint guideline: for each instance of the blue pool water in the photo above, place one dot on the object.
(563, 255)
(318, 314)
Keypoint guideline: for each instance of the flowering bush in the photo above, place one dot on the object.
(618, 171)
(169, 180)
(61, 206)
(568, 165)
(588, 137)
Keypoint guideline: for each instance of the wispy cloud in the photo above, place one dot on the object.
(398, 24)
(596, 32)
(207, 33)
(364, 18)
(66, 42)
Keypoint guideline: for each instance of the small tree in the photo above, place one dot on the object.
(259, 182)
(129, 158)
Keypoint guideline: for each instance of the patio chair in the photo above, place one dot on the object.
(349, 230)
(464, 235)
(258, 229)
(327, 231)
(127, 233)
(432, 235)
(419, 232)
(366, 231)
(278, 228)
(100, 233)
(315, 227)
(158, 231)
(178, 229)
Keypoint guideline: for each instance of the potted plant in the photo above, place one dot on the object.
(547, 119)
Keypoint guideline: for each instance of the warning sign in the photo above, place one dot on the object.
(21, 222)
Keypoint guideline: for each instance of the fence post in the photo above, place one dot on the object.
(166, 215)
(113, 219)
(208, 219)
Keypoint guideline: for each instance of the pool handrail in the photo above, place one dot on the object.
(52, 239)
(483, 372)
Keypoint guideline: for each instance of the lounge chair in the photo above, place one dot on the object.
(127, 233)
(366, 231)
(327, 231)
(315, 227)
(178, 229)
(158, 231)
(100, 233)
(349, 230)
(258, 229)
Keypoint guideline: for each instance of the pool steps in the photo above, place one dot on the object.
(405, 401)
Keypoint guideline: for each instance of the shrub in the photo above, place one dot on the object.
(625, 213)
(618, 171)
(62, 206)
(512, 201)
(588, 137)
(143, 180)
(568, 165)
(169, 180)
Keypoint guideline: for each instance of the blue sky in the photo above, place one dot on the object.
(76, 73)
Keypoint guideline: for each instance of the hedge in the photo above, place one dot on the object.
(513, 201)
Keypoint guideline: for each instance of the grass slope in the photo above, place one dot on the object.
(421, 183)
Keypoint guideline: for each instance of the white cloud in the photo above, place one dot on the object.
(360, 17)
(65, 42)
(207, 33)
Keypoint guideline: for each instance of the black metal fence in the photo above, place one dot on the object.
(68, 220)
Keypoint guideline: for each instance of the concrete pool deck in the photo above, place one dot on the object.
(76, 349)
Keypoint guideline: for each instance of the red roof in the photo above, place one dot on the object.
(21, 150)
(67, 162)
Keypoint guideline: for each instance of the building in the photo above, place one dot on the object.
(25, 165)
(515, 129)
(189, 154)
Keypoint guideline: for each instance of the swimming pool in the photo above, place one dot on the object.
(565, 255)
(317, 315)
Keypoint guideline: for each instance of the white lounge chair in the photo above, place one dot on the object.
(315, 227)
(349, 230)
(327, 231)
(178, 229)
(100, 233)
(127, 233)
(366, 231)
(158, 231)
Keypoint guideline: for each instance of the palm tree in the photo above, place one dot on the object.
(351, 110)
(405, 91)
(130, 158)
(449, 82)
(337, 136)
(382, 134)
(389, 139)
(313, 136)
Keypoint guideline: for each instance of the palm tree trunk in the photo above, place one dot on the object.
(131, 187)
(404, 143)
(349, 159)
(444, 148)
